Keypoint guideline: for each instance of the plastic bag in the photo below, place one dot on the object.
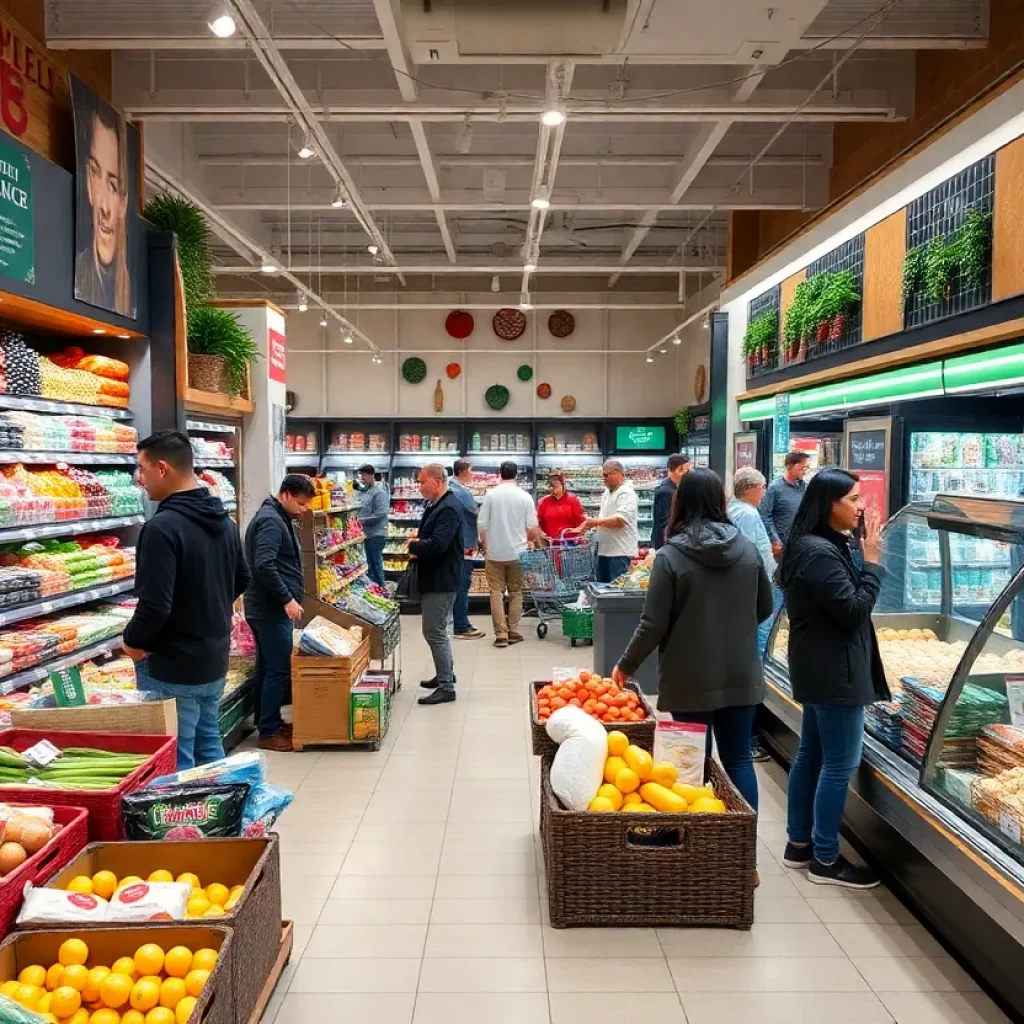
(13, 1013)
(102, 366)
(52, 905)
(150, 901)
(579, 761)
(200, 811)
(683, 744)
(265, 805)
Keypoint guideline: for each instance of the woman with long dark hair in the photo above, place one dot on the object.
(834, 666)
(708, 591)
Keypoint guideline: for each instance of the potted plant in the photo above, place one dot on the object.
(221, 351)
(844, 298)
(768, 330)
(749, 350)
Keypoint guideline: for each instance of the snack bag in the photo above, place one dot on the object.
(683, 744)
(52, 905)
(185, 812)
(265, 805)
(149, 901)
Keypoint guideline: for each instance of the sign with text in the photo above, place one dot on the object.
(867, 450)
(68, 691)
(780, 425)
(276, 358)
(17, 243)
(640, 438)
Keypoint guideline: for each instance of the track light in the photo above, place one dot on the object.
(676, 340)
(464, 137)
(496, 283)
(339, 201)
(348, 338)
(529, 267)
(553, 117)
(707, 321)
(306, 150)
(221, 22)
(541, 203)
(662, 351)
(303, 302)
(268, 266)
(373, 250)
(323, 319)
(650, 358)
(524, 301)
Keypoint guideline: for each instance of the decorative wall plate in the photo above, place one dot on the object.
(459, 324)
(496, 396)
(453, 370)
(509, 323)
(568, 404)
(561, 323)
(525, 372)
(544, 390)
(700, 383)
(414, 370)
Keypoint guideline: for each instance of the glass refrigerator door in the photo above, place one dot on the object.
(986, 465)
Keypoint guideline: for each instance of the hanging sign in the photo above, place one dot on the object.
(780, 430)
(17, 245)
(276, 356)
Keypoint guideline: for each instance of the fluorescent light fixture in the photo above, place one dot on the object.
(306, 150)
(221, 23)
(339, 201)
(529, 267)
(348, 338)
(553, 117)
(373, 250)
(540, 203)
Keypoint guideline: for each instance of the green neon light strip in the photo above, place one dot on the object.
(1003, 366)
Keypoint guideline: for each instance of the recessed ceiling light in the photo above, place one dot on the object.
(306, 150)
(373, 250)
(541, 203)
(98, 330)
(529, 267)
(124, 337)
(221, 23)
(553, 117)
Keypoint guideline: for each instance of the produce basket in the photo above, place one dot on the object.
(68, 841)
(213, 1006)
(578, 623)
(255, 922)
(668, 869)
(640, 733)
(104, 806)
(153, 717)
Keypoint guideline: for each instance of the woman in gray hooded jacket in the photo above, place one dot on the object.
(707, 593)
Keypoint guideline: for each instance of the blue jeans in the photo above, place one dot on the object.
(732, 728)
(460, 613)
(375, 558)
(198, 707)
(611, 567)
(435, 614)
(764, 628)
(273, 672)
(831, 740)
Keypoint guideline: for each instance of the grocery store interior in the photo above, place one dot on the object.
(315, 236)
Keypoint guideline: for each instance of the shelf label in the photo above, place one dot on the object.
(1009, 826)
(44, 753)
(1015, 695)
(67, 687)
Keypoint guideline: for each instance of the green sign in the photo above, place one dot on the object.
(17, 248)
(781, 425)
(640, 438)
(67, 687)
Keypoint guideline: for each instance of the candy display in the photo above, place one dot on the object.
(21, 365)
(33, 431)
(38, 569)
(356, 441)
(220, 486)
(203, 448)
(334, 531)
(40, 495)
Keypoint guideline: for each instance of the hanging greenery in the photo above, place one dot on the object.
(913, 270)
(932, 269)
(414, 370)
(820, 311)
(682, 421)
(217, 332)
(496, 396)
(761, 338)
(186, 220)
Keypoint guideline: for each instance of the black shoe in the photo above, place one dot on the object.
(431, 684)
(797, 856)
(439, 696)
(843, 873)
(758, 753)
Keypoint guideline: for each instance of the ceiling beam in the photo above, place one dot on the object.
(445, 307)
(495, 159)
(209, 42)
(489, 268)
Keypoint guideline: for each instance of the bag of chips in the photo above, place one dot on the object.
(200, 811)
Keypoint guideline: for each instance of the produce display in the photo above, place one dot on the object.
(152, 987)
(602, 699)
(33, 431)
(367, 601)
(637, 577)
(23, 831)
(76, 768)
(40, 569)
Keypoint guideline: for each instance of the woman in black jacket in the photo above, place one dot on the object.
(834, 666)
(707, 593)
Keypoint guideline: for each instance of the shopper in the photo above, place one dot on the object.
(678, 465)
(438, 552)
(616, 523)
(374, 505)
(273, 602)
(834, 666)
(782, 499)
(708, 591)
(469, 510)
(560, 510)
(189, 570)
(508, 522)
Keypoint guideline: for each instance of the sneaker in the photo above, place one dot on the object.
(797, 856)
(278, 742)
(500, 641)
(432, 684)
(842, 872)
(439, 696)
(758, 753)
(515, 638)
(470, 634)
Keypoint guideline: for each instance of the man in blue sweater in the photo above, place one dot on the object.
(374, 505)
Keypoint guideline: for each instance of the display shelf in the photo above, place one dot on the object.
(214, 464)
(37, 458)
(69, 528)
(498, 453)
(301, 458)
(335, 510)
(206, 427)
(59, 602)
(404, 519)
(37, 673)
(28, 404)
(334, 549)
(350, 579)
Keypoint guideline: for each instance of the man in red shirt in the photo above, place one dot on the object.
(560, 510)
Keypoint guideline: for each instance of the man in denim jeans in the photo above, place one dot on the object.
(189, 570)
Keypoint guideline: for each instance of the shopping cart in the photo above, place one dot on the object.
(553, 575)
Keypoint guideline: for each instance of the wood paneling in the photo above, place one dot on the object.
(885, 245)
(786, 293)
(28, 314)
(1008, 223)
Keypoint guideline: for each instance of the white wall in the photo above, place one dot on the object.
(601, 364)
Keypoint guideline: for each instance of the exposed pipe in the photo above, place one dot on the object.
(496, 268)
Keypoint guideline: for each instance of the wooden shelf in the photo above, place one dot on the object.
(223, 405)
(32, 315)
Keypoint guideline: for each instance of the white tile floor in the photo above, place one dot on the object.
(414, 877)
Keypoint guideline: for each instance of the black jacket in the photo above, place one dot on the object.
(663, 495)
(275, 562)
(705, 599)
(438, 548)
(833, 651)
(189, 570)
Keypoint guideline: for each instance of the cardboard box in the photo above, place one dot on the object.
(370, 707)
(154, 718)
(321, 696)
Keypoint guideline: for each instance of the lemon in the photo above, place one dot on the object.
(104, 883)
(601, 804)
(130, 880)
(217, 894)
(27, 996)
(630, 800)
(73, 951)
(609, 792)
(612, 767)
(189, 879)
(133, 1017)
(159, 1015)
(197, 906)
(617, 743)
(65, 1001)
(8, 988)
(665, 773)
(75, 975)
(214, 911)
(707, 805)
(182, 1011)
(91, 992)
(81, 883)
(53, 977)
(160, 875)
(627, 781)
(34, 975)
(204, 959)
(105, 1016)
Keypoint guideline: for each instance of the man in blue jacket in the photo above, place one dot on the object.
(374, 506)
(273, 602)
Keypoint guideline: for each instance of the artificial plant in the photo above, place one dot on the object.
(932, 268)
(682, 421)
(761, 336)
(186, 220)
(217, 332)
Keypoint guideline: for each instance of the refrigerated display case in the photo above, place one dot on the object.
(824, 449)
(965, 462)
(696, 443)
(938, 802)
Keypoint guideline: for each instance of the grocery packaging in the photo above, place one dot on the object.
(195, 811)
(683, 744)
(371, 701)
(149, 901)
(329, 640)
(580, 759)
(14, 1013)
(55, 905)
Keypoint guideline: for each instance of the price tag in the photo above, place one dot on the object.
(44, 753)
(46, 607)
(1015, 695)
(1009, 826)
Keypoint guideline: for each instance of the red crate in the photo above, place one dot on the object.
(104, 806)
(68, 842)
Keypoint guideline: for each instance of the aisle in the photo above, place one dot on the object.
(415, 882)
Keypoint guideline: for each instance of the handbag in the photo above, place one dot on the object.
(408, 588)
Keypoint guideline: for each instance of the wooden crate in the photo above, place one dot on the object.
(321, 696)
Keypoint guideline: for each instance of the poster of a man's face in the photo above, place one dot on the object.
(106, 161)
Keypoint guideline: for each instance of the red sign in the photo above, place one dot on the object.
(276, 356)
(874, 491)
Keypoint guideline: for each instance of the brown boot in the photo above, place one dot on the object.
(278, 742)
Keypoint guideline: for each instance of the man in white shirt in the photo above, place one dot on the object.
(507, 522)
(616, 524)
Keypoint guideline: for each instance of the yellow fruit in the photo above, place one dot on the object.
(183, 1010)
(665, 774)
(214, 911)
(160, 875)
(27, 996)
(104, 883)
(125, 965)
(630, 800)
(91, 992)
(65, 1001)
(116, 989)
(662, 799)
(172, 991)
(204, 960)
(48, 1017)
(53, 977)
(627, 780)
(197, 906)
(612, 767)
(189, 879)
(690, 793)
(195, 981)
(43, 1005)
(80, 883)
(34, 975)
(129, 880)
(217, 894)
(178, 962)
(73, 951)
(617, 743)
(160, 1015)
(609, 792)
(104, 1015)
(8, 988)
(133, 1017)
(80, 1016)
(232, 902)
(643, 808)
(145, 994)
(149, 959)
(707, 805)
(76, 976)
(639, 760)
(237, 890)
(601, 804)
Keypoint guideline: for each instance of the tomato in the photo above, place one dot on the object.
(556, 703)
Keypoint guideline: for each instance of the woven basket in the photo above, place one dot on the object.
(206, 373)
(667, 869)
(640, 733)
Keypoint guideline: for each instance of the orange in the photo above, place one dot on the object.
(43, 1006)
(195, 981)
(80, 1016)
(218, 894)
(27, 996)
(53, 976)
(617, 743)
(178, 961)
(182, 1011)
(627, 780)
(146, 994)
(128, 880)
(8, 988)
(34, 975)
(104, 883)
(149, 959)
(197, 906)
(81, 883)
(190, 879)
(612, 767)
(160, 1015)
(105, 1016)
(133, 1017)
(214, 911)
(91, 992)
(125, 965)
(76, 976)
(160, 875)
(73, 951)
(204, 960)
(116, 990)
(172, 991)
(609, 792)
(65, 1001)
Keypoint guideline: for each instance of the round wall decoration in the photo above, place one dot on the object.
(459, 324)
(544, 390)
(561, 323)
(496, 396)
(568, 404)
(525, 372)
(700, 383)
(509, 323)
(453, 370)
(414, 370)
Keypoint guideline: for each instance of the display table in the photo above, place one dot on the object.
(616, 614)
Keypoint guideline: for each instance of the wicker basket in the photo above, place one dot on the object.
(640, 733)
(643, 869)
(207, 373)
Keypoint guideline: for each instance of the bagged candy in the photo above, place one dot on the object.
(149, 901)
(265, 805)
(200, 811)
(50, 905)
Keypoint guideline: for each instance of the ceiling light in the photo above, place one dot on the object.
(306, 150)
(676, 340)
(524, 301)
(124, 337)
(268, 266)
(553, 117)
(529, 267)
(348, 338)
(541, 203)
(373, 250)
(650, 358)
(99, 330)
(303, 302)
(339, 201)
(662, 351)
(706, 321)
(464, 137)
(323, 319)
(221, 23)
(495, 283)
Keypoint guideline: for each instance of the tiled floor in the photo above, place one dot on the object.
(414, 877)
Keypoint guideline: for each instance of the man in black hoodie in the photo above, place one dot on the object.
(678, 467)
(272, 606)
(189, 570)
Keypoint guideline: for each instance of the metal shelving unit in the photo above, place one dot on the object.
(37, 673)
(59, 602)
